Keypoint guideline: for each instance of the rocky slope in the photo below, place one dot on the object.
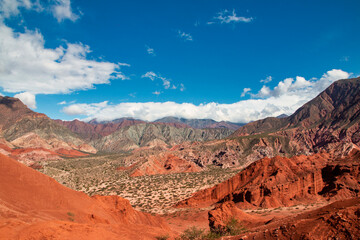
(281, 182)
(201, 123)
(327, 121)
(94, 130)
(34, 206)
(26, 129)
(154, 134)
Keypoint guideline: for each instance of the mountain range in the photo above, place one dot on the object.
(292, 173)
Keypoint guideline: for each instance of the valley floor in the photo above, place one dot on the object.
(98, 175)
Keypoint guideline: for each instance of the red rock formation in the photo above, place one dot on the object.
(162, 164)
(220, 216)
(282, 181)
(34, 206)
(339, 220)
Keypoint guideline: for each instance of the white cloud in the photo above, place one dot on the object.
(156, 93)
(166, 83)
(185, 36)
(27, 98)
(246, 90)
(302, 87)
(84, 109)
(62, 103)
(62, 10)
(227, 16)
(151, 75)
(27, 66)
(285, 98)
(10, 8)
(267, 79)
(150, 51)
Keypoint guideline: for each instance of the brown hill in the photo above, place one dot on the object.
(12, 110)
(34, 206)
(24, 128)
(280, 181)
(327, 121)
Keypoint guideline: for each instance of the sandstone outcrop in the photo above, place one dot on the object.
(280, 181)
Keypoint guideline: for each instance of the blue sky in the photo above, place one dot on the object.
(227, 60)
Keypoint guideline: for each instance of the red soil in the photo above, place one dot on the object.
(70, 153)
(34, 206)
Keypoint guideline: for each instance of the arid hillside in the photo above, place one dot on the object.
(34, 206)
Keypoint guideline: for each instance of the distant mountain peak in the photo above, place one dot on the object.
(201, 123)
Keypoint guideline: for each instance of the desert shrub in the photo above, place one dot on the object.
(192, 233)
(71, 216)
(233, 227)
(163, 237)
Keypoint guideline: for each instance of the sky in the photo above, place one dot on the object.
(231, 60)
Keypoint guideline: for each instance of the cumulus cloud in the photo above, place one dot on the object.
(151, 75)
(301, 86)
(62, 10)
(285, 98)
(245, 90)
(150, 51)
(226, 16)
(27, 66)
(185, 36)
(27, 98)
